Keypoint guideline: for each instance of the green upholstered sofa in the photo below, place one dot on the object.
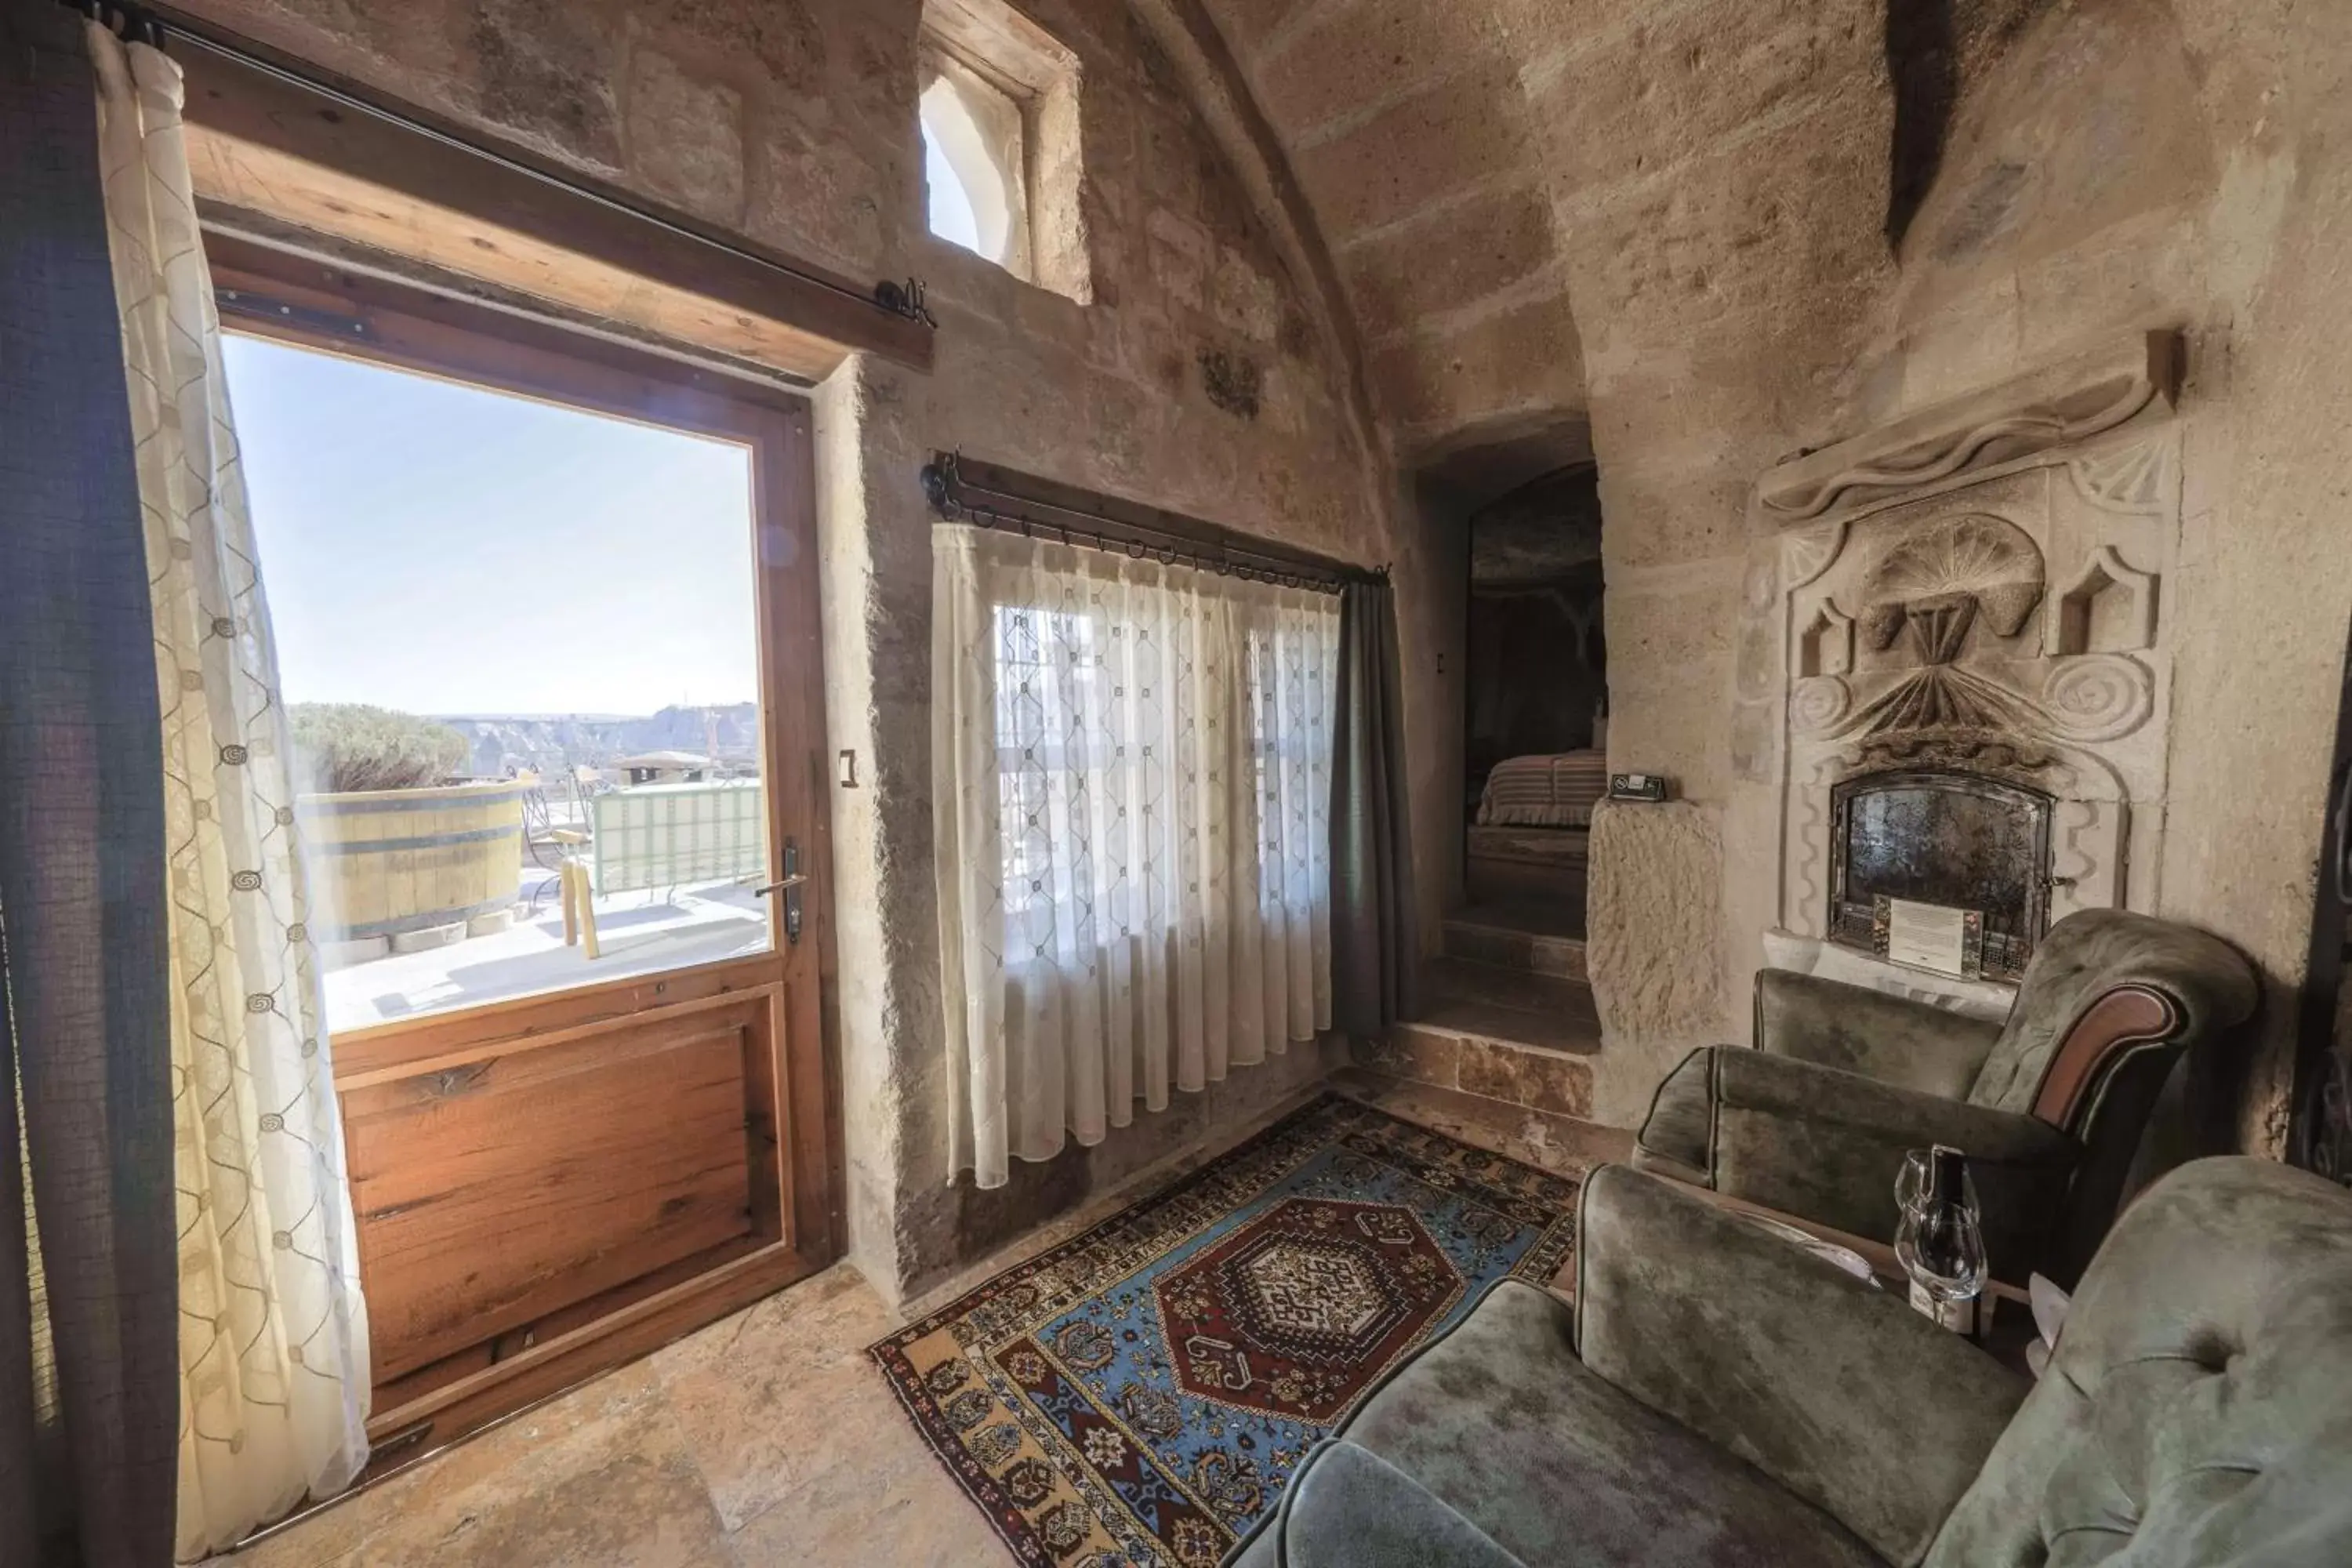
(1717, 1396)
(2049, 1106)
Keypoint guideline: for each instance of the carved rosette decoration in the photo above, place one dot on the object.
(2098, 696)
(1819, 706)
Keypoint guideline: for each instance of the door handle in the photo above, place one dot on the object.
(789, 885)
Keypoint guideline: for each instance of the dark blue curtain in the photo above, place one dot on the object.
(88, 1466)
(1375, 940)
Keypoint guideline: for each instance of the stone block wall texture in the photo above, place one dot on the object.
(1665, 219)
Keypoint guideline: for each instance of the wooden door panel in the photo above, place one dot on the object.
(495, 1191)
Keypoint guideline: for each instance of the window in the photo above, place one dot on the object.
(953, 214)
(1134, 766)
(1000, 131)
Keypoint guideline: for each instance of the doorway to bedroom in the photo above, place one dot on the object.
(1504, 1034)
(1536, 699)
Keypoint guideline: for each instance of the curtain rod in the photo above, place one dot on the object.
(960, 499)
(137, 23)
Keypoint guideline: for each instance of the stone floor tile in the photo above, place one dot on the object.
(896, 1504)
(599, 1478)
(781, 1395)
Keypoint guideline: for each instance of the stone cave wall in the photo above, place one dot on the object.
(1203, 377)
(2106, 166)
(1728, 230)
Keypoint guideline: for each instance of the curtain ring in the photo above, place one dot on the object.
(1137, 550)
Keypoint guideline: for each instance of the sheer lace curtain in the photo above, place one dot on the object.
(1132, 808)
(274, 1377)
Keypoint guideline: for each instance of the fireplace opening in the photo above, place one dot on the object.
(1957, 839)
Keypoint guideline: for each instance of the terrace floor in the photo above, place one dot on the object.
(639, 933)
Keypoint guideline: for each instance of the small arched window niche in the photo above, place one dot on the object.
(999, 107)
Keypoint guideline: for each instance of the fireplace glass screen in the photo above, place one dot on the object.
(1954, 839)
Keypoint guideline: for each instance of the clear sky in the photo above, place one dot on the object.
(951, 214)
(442, 549)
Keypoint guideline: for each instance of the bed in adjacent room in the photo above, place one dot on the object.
(1530, 839)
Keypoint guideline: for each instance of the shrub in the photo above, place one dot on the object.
(347, 746)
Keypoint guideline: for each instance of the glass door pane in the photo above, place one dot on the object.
(520, 647)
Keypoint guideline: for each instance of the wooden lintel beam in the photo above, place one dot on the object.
(262, 144)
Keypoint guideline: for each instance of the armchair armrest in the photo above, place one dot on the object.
(1891, 1039)
(1835, 1388)
(1825, 1143)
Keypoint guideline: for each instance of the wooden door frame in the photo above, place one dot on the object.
(315, 303)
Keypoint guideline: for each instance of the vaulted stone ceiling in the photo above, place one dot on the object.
(1523, 198)
(1407, 126)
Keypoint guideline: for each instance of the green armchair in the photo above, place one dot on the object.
(1718, 1398)
(2050, 1106)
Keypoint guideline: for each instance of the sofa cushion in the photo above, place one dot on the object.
(1894, 1039)
(2194, 1410)
(1503, 1424)
(1813, 1141)
(1818, 1380)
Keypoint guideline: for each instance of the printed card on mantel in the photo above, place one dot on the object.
(1928, 936)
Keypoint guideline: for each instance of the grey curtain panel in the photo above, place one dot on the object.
(88, 1441)
(1375, 946)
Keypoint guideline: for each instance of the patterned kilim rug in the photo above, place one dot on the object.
(1142, 1394)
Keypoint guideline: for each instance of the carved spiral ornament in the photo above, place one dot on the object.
(2098, 696)
(1820, 704)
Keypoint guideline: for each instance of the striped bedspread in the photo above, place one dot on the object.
(1545, 792)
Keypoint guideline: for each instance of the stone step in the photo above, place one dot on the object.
(1514, 939)
(1516, 1075)
(1510, 1002)
(1564, 1145)
(1502, 1034)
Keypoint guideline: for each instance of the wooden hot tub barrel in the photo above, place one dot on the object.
(388, 862)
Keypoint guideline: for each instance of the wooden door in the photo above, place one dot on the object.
(548, 1183)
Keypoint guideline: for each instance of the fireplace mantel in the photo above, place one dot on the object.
(1987, 999)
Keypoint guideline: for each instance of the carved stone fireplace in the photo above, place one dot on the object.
(1973, 672)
